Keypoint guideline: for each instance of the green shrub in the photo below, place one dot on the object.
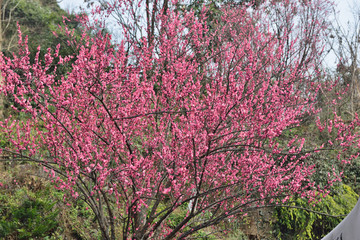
(25, 215)
(294, 223)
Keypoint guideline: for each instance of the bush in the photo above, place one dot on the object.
(26, 215)
(293, 223)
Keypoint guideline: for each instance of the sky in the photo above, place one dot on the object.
(343, 6)
(344, 15)
(70, 5)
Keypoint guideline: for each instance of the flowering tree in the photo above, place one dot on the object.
(184, 113)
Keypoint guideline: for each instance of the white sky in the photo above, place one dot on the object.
(70, 5)
(345, 10)
(344, 15)
(342, 5)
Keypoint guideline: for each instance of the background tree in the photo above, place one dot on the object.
(40, 20)
(344, 44)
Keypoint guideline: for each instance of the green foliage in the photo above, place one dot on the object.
(38, 19)
(30, 208)
(237, 235)
(180, 214)
(3, 141)
(233, 230)
(26, 215)
(351, 174)
(203, 235)
(81, 221)
(176, 218)
(294, 223)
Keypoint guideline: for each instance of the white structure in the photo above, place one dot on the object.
(349, 228)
